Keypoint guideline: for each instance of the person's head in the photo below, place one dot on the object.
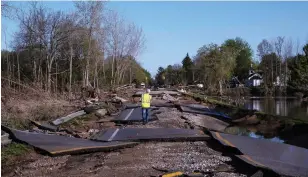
(147, 90)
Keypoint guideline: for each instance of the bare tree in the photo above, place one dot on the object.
(8, 74)
(123, 43)
(90, 16)
(53, 49)
(287, 53)
(278, 48)
(266, 48)
(8, 10)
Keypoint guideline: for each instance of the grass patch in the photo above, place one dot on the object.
(13, 150)
(11, 120)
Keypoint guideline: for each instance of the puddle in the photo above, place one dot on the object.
(242, 131)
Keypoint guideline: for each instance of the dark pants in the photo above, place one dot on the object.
(145, 115)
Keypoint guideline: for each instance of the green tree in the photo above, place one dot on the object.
(298, 66)
(139, 74)
(215, 64)
(160, 76)
(243, 57)
(187, 65)
(174, 74)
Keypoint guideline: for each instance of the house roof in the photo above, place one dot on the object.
(254, 76)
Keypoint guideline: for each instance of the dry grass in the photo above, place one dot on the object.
(18, 107)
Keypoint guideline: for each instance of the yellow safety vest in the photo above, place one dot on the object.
(146, 100)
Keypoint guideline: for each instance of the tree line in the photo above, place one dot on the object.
(282, 65)
(64, 52)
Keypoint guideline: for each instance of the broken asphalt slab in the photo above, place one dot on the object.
(199, 109)
(62, 145)
(133, 115)
(154, 134)
(156, 93)
(153, 105)
(45, 126)
(281, 158)
(207, 122)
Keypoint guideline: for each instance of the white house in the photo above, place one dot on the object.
(254, 79)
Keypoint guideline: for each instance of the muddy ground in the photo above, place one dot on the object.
(135, 161)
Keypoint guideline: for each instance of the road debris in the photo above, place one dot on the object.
(68, 117)
(5, 140)
(101, 113)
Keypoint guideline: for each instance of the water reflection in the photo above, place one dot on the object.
(246, 131)
(279, 106)
(275, 139)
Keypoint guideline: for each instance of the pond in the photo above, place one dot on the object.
(283, 106)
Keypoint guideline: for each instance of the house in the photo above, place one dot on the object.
(254, 78)
(142, 85)
(234, 82)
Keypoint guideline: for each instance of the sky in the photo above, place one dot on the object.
(173, 29)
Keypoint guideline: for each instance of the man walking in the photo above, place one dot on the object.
(146, 104)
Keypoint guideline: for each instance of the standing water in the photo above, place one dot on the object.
(283, 106)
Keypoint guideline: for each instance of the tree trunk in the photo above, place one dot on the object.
(8, 69)
(88, 58)
(87, 72)
(272, 71)
(104, 73)
(71, 71)
(40, 78)
(130, 75)
(49, 77)
(46, 79)
(193, 76)
(56, 85)
(49, 68)
(112, 69)
(280, 77)
(34, 71)
(18, 71)
(95, 74)
(286, 76)
(220, 87)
